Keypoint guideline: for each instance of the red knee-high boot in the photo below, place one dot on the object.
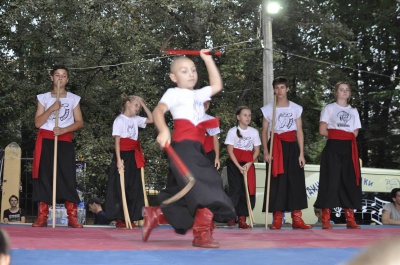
(202, 229)
(153, 217)
(298, 221)
(72, 211)
(326, 218)
(242, 222)
(42, 215)
(277, 222)
(351, 223)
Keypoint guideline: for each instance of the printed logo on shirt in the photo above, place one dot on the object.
(344, 117)
(285, 120)
(131, 131)
(244, 143)
(63, 112)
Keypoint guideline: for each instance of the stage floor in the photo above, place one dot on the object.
(105, 245)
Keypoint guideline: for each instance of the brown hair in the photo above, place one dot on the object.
(56, 67)
(280, 80)
(238, 111)
(126, 99)
(335, 89)
(13, 196)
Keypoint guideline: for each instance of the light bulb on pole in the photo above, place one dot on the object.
(269, 7)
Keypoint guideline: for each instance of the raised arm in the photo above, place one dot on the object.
(213, 72)
(147, 110)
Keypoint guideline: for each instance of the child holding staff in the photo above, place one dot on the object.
(69, 120)
(127, 149)
(243, 144)
(288, 188)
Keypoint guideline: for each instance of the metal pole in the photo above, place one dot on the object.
(268, 70)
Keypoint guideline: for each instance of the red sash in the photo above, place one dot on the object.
(186, 130)
(208, 143)
(343, 135)
(45, 134)
(247, 156)
(127, 144)
(277, 154)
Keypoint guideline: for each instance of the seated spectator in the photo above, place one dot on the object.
(4, 248)
(391, 211)
(94, 205)
(14, 214)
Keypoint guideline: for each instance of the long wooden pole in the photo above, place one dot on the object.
(271, 147)
(250, 210)
(123, 195)
(53, 212)
(146, 201)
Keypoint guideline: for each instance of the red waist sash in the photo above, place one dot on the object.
(127, 144)
(208, 143)
(45, 134)
(343, 135)
(185, 130)
(277, 154)
(247, 156)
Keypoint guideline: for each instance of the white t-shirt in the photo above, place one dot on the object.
(285, 118)
(187, 104)
(65, 113)
(211, 131)
(250, 138)
(341, 118)
(394, 213)
(128, 127)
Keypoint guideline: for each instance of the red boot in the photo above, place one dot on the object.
(152, 217)
(351, 223)
(298, 221)
(231, 223)
(120, 224)
(242, 222)
(72, 211)
(326, 218)
(42, 215)
(202, 229)
(277, 222)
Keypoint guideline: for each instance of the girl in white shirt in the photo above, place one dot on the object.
(129, 156)
(339, 178)
(243, 145)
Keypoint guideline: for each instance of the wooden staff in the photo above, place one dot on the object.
(183, 170)
(250, 210)
(146, 201)
(53, 212)
(123, 195)
(271, 147)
